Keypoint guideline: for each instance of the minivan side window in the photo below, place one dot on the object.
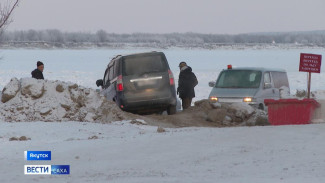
(105, 77)
(267, 77)
(280, 79)
(116, 68)
(111, 73)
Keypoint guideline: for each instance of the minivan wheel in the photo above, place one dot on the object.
(171, 110)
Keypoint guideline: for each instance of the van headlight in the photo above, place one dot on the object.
(214, 98)
(248, 99)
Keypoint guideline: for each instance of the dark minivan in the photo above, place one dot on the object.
(140, 83)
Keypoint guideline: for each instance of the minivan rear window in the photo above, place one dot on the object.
(239, 79)
(140, 65)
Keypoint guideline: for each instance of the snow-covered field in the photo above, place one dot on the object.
(136, 153)
(125, 152)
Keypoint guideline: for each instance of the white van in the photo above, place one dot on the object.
(248, 84)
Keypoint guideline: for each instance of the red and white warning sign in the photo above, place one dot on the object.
(310, 63)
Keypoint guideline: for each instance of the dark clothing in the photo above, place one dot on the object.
(37, 74)
(186, 83)
(186, 102)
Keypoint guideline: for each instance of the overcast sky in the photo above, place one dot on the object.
(165, 16)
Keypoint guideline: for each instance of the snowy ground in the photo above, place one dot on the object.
(136, 153)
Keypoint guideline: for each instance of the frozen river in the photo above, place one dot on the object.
(86, 66)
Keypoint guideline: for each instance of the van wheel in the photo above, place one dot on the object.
(261, 107)
(171, 110)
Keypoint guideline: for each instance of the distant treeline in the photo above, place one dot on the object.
(101, 36)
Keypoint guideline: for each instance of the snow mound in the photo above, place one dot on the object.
(235, 114)
(319, 94)
(242, 110)
(30, 99)
(208, 114)
(10, 90)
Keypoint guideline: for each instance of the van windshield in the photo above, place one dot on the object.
(239, 79)
(140, 65)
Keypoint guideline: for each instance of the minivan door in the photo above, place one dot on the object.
(145, 77)
(109, 86)
(105, 82)
(269, 91)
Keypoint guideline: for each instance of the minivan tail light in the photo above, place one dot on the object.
(171, 78)
(248, 99)
(119, 83)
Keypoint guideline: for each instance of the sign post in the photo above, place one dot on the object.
(310, 63)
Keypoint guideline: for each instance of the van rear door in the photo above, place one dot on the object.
(145, 77)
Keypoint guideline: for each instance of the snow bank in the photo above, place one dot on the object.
(10, 90)
(235, 114)
(208, 114)
(30, 99)
(319, 94)
(319, 115)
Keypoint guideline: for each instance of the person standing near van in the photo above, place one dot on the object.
(186, 83)
(38, 72)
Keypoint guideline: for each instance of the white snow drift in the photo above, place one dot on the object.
(29, 99)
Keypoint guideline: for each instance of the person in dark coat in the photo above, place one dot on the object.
(38, 72)
(186, 83)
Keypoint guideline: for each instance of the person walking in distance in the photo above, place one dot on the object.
(186, 83)
(38, 72)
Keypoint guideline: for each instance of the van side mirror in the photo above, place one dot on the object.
(212, 83)
(99, 82)
(267, 85)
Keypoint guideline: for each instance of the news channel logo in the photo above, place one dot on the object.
(37, 155)
(47, 169)
(43, 169)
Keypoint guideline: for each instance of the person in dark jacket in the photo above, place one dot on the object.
(186, 83)
(38, 72)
